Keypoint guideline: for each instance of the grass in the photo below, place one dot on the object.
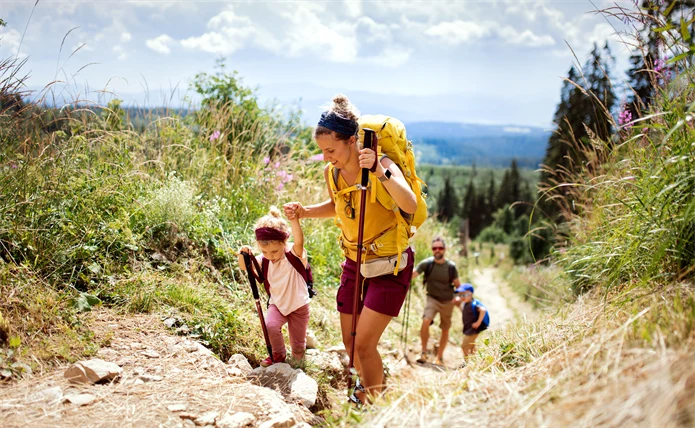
(585, 365)
(142, 221)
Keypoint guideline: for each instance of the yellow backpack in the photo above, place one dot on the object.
(393, 143)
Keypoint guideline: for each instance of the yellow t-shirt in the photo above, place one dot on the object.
(380, 224)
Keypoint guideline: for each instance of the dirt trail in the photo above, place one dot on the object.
(503, 305)
(167, 381)
(494, 296)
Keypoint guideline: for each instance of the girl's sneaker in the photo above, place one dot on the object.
(276, 359)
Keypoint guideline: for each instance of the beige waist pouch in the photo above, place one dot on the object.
(383, 265)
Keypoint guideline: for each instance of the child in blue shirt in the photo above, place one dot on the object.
(474, 314)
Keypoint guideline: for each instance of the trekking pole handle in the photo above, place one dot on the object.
(252, 279)
(368, 143)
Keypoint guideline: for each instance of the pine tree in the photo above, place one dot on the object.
(447, 203)
(469, 199)
(504, 192)
(577, 111)
(491, 206)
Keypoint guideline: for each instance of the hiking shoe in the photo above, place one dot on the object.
(267, 362)
(352, 399)
(423, 358)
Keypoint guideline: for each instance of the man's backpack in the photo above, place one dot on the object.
(430, 266)
(392, 143)
(296, 262)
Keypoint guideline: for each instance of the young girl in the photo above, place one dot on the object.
(289, 298)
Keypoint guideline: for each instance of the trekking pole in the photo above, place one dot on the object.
(407, 317)
(368, 138)
(256, 297)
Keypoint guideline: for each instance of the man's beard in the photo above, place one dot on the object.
(438, 256)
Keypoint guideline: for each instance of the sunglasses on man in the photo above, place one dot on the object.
(437, 248)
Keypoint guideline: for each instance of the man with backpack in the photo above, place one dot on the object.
(440, 279)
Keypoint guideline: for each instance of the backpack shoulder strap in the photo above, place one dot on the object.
(304, 271)
(452, 272)
(264, 270)
(428, 271)
(297, 264)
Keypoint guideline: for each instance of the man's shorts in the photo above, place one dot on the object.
(444, 309)
(383, 294)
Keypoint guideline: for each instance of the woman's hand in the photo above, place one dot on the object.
(367, 159)
(476, 324)
(246, 249)
(293, 210)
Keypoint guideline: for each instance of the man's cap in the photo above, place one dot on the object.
(464, 287)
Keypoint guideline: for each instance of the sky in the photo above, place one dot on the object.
(495, 62)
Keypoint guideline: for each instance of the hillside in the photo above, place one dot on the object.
(449, 143)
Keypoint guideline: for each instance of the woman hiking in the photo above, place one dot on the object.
(382, 296)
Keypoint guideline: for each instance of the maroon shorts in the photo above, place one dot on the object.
(383, 294)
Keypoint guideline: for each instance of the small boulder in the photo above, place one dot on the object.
(293, 384)
(286, 420)
(92, 371)
(327, 362)
(240, 362)
(150, 353)
(80, 399)
(50, 395)
(311, 341)
(179, 407)
(150, 378)
(235, 420)
(304, 389)
(207, 418)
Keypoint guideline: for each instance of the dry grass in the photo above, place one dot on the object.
(585, 366)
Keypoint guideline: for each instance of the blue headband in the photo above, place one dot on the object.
(338, 123)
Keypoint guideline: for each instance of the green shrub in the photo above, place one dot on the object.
(493, 234)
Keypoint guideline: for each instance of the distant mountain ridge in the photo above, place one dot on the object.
(452, 143)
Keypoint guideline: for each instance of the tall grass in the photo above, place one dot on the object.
(145, 219)
(630, 208)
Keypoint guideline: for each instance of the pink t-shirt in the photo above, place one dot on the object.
(287, 287)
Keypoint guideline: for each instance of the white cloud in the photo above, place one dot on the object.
(456, 32)
(533, 11)
(353, 8)
(582, 34)
(334, 40)
(160, 44)
(9, 41)
(462, 32)
(126, 37)
(231, 33)
(304, 32)
(525, 38)
(122, 55)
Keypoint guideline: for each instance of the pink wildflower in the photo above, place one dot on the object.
(625, 116)
(316, 158)
(266, 160)
(215, 135)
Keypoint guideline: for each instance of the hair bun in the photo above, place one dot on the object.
(275, 212)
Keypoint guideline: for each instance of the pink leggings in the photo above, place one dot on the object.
(297, 323)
